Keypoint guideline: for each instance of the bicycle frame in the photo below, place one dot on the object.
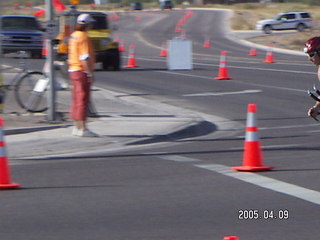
(20, 70)
(29, 86)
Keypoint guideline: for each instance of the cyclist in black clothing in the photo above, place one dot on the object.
(312, 48)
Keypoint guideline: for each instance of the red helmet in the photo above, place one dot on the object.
(312, 44)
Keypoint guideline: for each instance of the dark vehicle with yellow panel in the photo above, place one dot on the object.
(106, 49)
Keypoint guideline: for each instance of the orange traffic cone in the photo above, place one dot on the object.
(178, 29)
(163, 52)
(269, 56)
(253, 52)
(131, 58)
(223, 70)
(231, 238)
(252, 157)
(181, 22)
(207, 43)
(121, 46)
(5, 182)
(44, 51)
(183, 34)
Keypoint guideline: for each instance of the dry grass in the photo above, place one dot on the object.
(246, 15)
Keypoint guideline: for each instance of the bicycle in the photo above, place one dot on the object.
(29, 86)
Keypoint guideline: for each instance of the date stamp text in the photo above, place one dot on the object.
(255, 214)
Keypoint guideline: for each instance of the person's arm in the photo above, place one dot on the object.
(86, 64)
(315, 110)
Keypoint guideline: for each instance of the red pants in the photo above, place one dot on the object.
(80, 95)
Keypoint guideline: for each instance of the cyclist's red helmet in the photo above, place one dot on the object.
(312, 44)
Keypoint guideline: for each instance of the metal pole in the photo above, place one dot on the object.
(50, 59)
(1, 79)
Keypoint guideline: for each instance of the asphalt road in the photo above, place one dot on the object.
(186, 189)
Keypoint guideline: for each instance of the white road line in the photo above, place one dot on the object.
(241, 67)
(177, 158)
(255, 179)
(269, 147)
(246, 83)
(314, 131)
(241, 82)
(221, 93)
(273, 70)
(263, 69)
(266, 182)
(290, 126)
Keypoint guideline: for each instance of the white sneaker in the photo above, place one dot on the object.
(75, 131)
(86, 133)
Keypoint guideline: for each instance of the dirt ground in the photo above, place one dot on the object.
(292, 40)
(245, 17)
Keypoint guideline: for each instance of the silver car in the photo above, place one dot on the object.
(286, 21)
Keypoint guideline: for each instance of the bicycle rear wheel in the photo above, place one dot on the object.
(31, 92)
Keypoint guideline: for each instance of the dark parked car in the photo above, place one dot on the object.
(136, 6)
(166, 4)
(21, 33)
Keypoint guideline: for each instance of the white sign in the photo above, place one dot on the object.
(179, 54)
(100, 2)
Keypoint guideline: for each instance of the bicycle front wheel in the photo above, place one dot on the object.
(31, 92)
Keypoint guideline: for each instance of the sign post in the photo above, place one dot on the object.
(49, 63)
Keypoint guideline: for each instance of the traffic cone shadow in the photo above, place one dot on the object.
(5, 179)
(252, 156)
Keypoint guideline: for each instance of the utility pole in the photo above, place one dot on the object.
(2, 92)
(50, 59)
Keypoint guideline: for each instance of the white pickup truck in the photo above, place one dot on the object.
(285, 21)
